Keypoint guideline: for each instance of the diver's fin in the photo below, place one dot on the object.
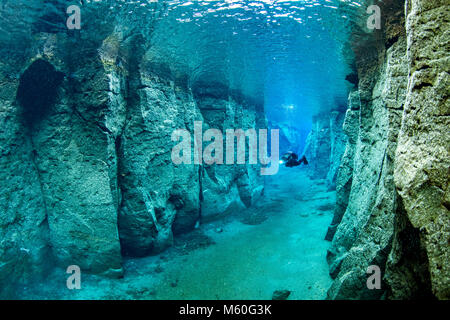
(303, 159)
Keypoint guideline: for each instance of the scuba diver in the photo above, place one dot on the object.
(290, 159)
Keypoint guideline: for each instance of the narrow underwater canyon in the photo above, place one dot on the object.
(88, 179)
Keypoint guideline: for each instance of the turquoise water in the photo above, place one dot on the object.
(237, 258)
(292, 57)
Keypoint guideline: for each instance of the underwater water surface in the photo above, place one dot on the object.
(293, 56)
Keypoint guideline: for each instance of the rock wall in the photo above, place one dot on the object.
(396, 125)
(364, 234)
(344, 173)
(422, 167)
(318, 147)
(325, 146)
(24, 228)
(337, 146)
(291, 138)
(226, 187)
(90, 172)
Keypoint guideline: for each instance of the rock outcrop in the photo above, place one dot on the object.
(344, 175)
(89, 174)
(364, 234)
(291, 138)
(422, 168)
(318, 147)
(396, 125)
(325, 146)
(337, 146)
(226, 187)
(24, 229)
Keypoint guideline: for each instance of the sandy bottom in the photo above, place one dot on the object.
(278, 245)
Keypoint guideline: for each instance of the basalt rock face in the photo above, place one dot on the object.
(364, 234)
(68, 198)
(364, 217)
(91, 178)
(344, 174)
(423, 156)
(325, 146)
(291, 138)
(337, 146)
(397, 125)
(24, 229)
(152, 188)
(226, 187)
(318, 147)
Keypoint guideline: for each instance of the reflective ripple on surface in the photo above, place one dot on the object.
(293, 55)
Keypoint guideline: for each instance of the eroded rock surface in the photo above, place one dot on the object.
(325, 146)
(399, 130)
(364, 235)
(423, 155)
(91, 179)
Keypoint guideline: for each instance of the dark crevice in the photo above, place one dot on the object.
(353, 78)
(381, 167)
(408, 276)
(38, 91)
(390, 42)
(117, 152)
(424, 67)
(102, 127)
(422, 85)
(132, 99)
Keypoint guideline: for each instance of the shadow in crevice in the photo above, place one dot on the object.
(409, 276)
(38, 90)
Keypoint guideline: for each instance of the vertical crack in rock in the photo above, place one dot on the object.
(33, 160)
(407, 274)
(344, 178)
